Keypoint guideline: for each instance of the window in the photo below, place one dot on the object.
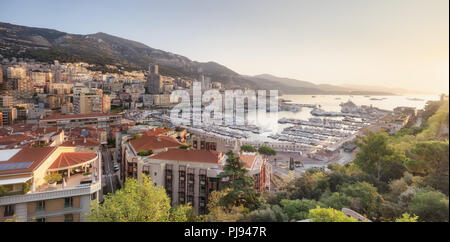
(40, 206)
(94, 196)
(40, 220)
(68, 218)
(156, 173)
(9, 210)
(68, 201)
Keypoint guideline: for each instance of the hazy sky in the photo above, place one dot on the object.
(394, 43)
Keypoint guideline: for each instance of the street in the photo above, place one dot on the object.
(110, 178)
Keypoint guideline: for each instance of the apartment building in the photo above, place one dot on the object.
(25, 195)
(188, 175)
(98, 120)
(6, 101)
(9, 114)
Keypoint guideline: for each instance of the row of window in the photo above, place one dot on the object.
(40, 206)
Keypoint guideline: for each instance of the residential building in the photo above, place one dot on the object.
(25, 194)
(81, 120)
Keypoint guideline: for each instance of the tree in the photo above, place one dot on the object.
(406, 217)
(138, 202)
(378, 158)
(304, 187)
(364, 198)
(298, 209)
(184, 147)
(431, 159)
(248, 148)
(220, 213)
(145, 153)
(268, 214)
(266, 151)
(335, 200)
(241, 190)
(328, 215)
(430, 206)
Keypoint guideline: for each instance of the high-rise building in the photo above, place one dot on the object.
(6, 101)
(9, 114)
(205, 82)
(153, 84)
(106, 103)
(1, 75)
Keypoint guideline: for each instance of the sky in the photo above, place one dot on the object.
(392, 43)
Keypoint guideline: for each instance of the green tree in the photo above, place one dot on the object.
(378, 158)
(328, 215)
(268, 214)
(145, 153)
(335, 200)
(430, 206)
(184, 147)
(266, 151)
(137, 202)
(431, 159)
(248, 148)
(364, 198)
(217, 212)
(241, 190)
(298, 209)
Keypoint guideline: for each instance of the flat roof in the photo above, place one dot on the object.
(7, 154)
(75, 116)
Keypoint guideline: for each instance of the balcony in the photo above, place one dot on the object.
(78, 190)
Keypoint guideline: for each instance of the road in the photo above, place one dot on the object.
(110, 177)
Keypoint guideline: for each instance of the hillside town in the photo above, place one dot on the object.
(71, 135)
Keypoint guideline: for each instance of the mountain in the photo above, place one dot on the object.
(303, 87)
(400, 91)
(48, 45)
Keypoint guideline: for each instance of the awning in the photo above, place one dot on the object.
(14, 181)
(69, 160)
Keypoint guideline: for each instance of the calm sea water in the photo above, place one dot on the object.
(331, 103)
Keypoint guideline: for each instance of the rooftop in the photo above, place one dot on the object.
(205, 156)
(68, 160)
(153, 142)
(26, 160)
(75, 116)
(248, 159)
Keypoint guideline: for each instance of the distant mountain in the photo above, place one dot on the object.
(304, 87)
(400, 91)
(101, 49)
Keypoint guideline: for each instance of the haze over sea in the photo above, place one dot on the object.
(331, 103)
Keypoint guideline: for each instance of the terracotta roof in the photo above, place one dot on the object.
(72, 159)
(156, 132)
(248, 160)
(153, 142)
(34, 155)
(81, 142)
(74, 116)
(14, 139)
(205, 156)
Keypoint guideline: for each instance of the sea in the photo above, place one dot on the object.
(331, 103)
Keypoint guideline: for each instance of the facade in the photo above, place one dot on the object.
(6, 101)
(81, 120)
(67, 108)
(25, 195)
(9, 115)
(153, 85)
(188, 175)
